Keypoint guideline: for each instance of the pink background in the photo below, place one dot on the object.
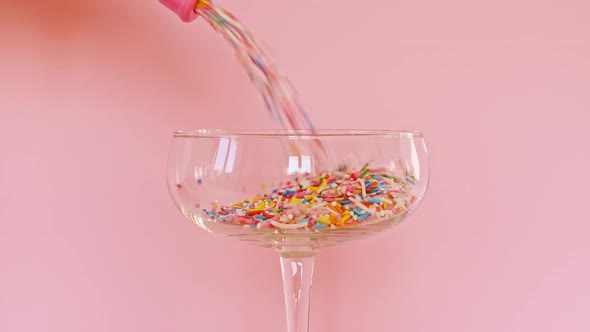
(91, 90)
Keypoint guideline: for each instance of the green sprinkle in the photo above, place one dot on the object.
(365, 167)
(387, 176)
(364, 173)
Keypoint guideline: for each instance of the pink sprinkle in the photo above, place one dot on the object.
(330, 193)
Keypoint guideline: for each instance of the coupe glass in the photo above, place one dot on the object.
(216, 178)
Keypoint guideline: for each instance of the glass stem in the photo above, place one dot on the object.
(297, 274)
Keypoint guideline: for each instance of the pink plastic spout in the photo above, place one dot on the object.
(185, 9)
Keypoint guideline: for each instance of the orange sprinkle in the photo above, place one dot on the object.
(255, 211)
(338, 208)
(333, 218)
(372, 186)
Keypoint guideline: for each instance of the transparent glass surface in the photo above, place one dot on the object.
(279, 190)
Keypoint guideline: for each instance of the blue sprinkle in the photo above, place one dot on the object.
(259, 217)
(303, 220)
(376, 177)
(319, 225)
(199, 181)
(363, 216)
(204, 210)
(345, 201)
(334, 185)
(358, 211)
(259, 64)
(374, 190)
(374, 199)
(367, 183)
(289, 192)
(274, 191)
(223, 219)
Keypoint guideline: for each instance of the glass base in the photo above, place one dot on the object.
(297, 267)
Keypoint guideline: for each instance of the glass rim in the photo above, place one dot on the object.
(217, 133)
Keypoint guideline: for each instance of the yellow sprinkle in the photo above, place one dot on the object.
(324, 219)
(309, 197)
(384, 205)
(295, 201)
(314, 189)
(260, 206)
(263, 186)
(339, 198)
(345, 217)
(214, 206)
(357, 191)
(273, 204)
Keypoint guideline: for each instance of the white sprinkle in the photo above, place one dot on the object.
(364, 190)
(362, 206)
(389, 213)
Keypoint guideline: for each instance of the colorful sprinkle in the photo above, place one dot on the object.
(344, 203)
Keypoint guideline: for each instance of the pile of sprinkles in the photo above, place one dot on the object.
(339, 199)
